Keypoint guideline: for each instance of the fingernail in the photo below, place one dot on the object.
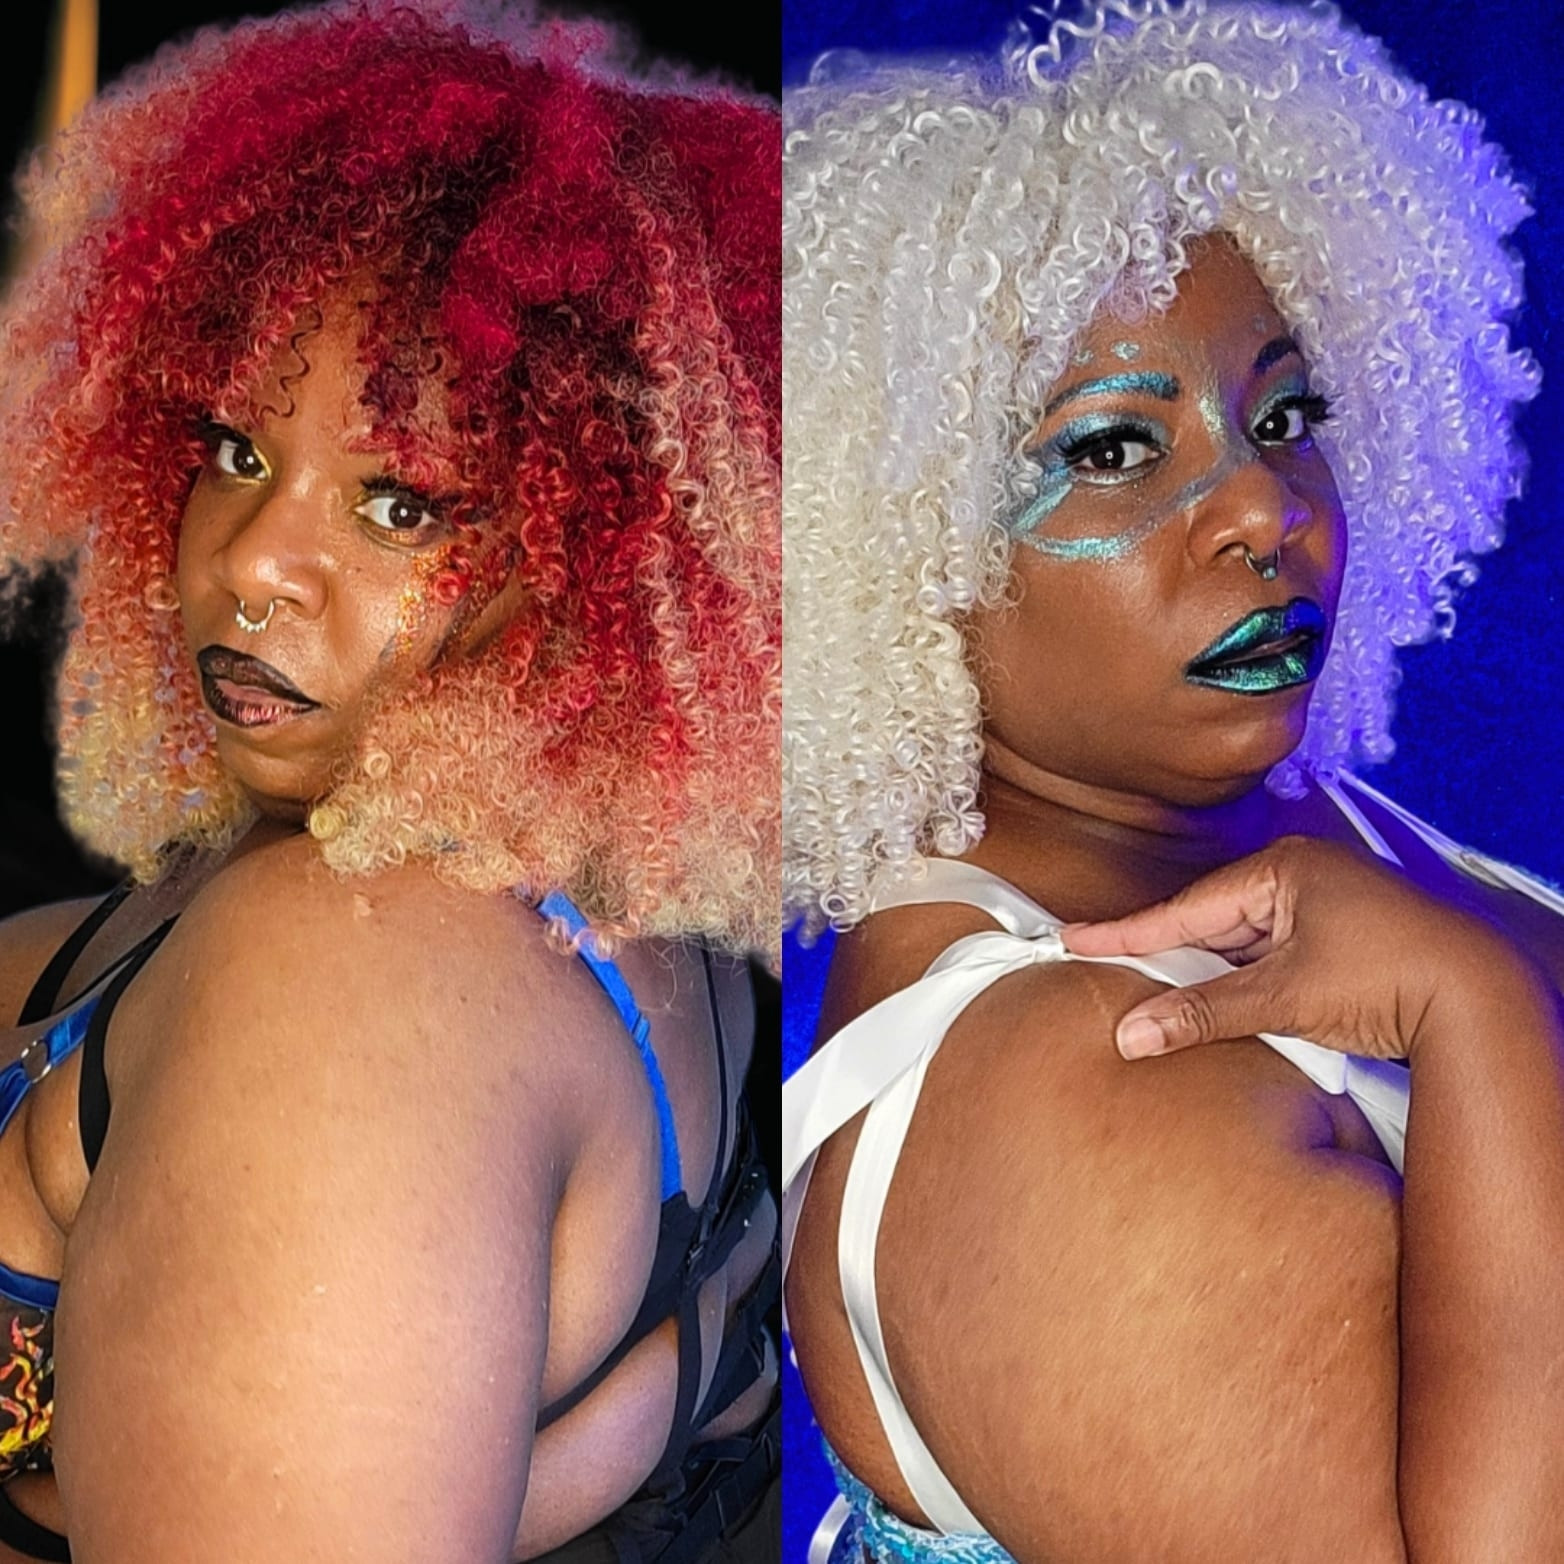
(1140, 1037)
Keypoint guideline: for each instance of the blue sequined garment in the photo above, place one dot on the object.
(889, 1540)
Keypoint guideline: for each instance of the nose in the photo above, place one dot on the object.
(1251, 508)
(270, 558)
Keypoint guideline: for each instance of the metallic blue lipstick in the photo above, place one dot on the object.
(1268, 650)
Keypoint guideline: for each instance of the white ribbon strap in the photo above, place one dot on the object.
(1462, 859)
(829, 1529)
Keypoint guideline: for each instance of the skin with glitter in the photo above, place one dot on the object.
(1232, 448)
(412, 608)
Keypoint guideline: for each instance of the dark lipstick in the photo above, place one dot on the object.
(1268, 650)
(247, 692)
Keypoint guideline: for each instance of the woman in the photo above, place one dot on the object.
(1160, 385)
(401, 395)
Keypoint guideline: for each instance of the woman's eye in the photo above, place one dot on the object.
(397, 513)
(1291, 423)
(1282, 426)
(1112, 454)
(236, 457)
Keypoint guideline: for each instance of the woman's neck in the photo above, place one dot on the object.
(1239, 819)
(1086, 851)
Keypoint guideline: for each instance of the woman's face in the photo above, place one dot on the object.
(295, 525)
(1153, 651)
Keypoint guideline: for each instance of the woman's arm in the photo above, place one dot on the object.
(1482, 1276)
(1137, 1311)
(1352, 956)
(303, 1312)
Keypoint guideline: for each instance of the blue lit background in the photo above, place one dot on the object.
(1480, 733)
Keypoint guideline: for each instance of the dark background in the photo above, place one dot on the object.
(1480, 730)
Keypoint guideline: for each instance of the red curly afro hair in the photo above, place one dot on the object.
(589, 269)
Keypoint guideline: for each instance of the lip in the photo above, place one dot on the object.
(247, 692)
(1268, 650)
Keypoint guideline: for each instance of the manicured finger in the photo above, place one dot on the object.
(1224, 912)
(1232, 1006)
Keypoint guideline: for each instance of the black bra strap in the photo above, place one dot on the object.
(724, 1223)
(27, 1536)
(682, 1429)
(688, 1233)
(742, 1357)
(92, 1092)
(44, 997)
(719, 1166)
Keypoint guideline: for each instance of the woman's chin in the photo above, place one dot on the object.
(278, 789)
(1237, 756)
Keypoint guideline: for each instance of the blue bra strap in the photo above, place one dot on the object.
(16, 1080)
(609, 978)
(32, 1292)
(40, 1056)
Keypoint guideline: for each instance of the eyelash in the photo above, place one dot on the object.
(1316, 410)
(1107, 439)
(386, 487)
(214, 436)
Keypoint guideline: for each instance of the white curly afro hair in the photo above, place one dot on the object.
(947, 232)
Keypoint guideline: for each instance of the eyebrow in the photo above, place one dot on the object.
(1164, 387)
(1273, 351)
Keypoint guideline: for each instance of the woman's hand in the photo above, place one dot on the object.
(1329, 947)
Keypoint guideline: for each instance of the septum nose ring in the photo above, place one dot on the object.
(1264, 566)
(254, 626)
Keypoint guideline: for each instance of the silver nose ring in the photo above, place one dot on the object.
(255, 626)
(1264, 566)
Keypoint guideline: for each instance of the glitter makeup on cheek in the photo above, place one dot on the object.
(415, 600)
(1055, 486)
(1100, 550)
(1213, 417)
(1058, 481)
(1231, 451)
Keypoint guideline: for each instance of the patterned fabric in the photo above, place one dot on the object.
(26, 1392)
(887, 1539)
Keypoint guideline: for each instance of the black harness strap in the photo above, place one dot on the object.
(27, 1536)
(92, 1091)
(45, 993)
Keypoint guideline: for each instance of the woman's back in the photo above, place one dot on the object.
(1188, 1270)
(525, 1036)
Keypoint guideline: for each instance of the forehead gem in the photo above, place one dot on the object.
(1126, 350)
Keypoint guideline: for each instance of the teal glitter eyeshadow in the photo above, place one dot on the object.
(1149, 382)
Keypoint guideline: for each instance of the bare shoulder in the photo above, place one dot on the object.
(285, 896)
(425, 1011)
(394, 954)
(27, 942)
(340, 1141)
(1091, 1272)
